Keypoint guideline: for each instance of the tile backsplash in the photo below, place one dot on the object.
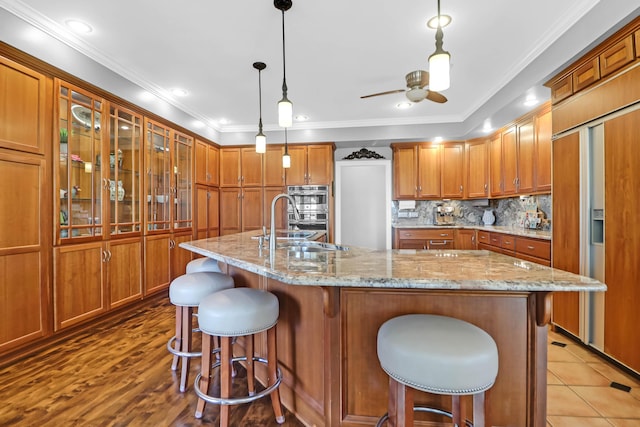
(469, 212)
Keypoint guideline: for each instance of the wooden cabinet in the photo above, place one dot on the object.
(566, 227)
(525, 179)
(310, 164)
(477, 167)
(123, 271)
(207, 212)
(542, 161)
(240, 167)
(510, 161)
(241, 209)
(206, 164)
(274, 173)
(428, 171)
(495, 165)
(465, 239)
(24, 105)
(586, 74)
(164, 259)
(525, 248)
(617, 56)
(420, 238)
(452, 171)
(281, 208)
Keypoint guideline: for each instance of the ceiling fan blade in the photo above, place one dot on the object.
(383, 93)
(424, 78)
(436, 97)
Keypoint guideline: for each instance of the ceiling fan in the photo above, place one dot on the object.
(417, 81)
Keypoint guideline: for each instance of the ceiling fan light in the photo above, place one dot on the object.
(416, 94)
(285, 113)
(439, 71)
(261, 143)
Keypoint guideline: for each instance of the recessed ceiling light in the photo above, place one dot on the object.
(79, 26)
(437, 139)
(444, 21)
(198, 124)
(531, 101)
(404, 105)
(223, 121)
(179, 92)
(301, 118)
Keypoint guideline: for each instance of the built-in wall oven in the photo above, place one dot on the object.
(312, 202)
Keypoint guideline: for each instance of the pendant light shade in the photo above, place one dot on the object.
(439, 62)
(285, 107)
(261, 139)
(286, 158)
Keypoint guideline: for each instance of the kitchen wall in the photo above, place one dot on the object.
(469, 212)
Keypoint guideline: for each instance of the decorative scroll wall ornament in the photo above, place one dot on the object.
(363, 153)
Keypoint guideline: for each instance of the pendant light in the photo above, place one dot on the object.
(285, 107)
(261, 139)
(439, 62)
(286, 158)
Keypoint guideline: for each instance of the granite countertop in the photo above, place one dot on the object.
(516, 231)
(409, 269)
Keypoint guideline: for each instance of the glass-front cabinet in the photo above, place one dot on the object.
(99, 163)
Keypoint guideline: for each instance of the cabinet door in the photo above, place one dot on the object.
(79, 290)
(180, 257)
(202, 207)
(230, 211)
(273, 170)
(25, 236)
(79, 183)
(200, 163)
(495, 165)
(509, 161)
(251, 168)
(213, 165)
(252, 218)
(281, 208)
(622, 242)
(124, 271)
(123, 173)
(230, 161)
(405, 172)
(158, 177)
(157, 265)
(566, 226)
(543, 152)
(477, 170)
(526, 157)
(213, 212)
(297, 173)
(182, 181)
(24, 105)
(465, 239)
(452, 171)
(429, 171)
(319, 164)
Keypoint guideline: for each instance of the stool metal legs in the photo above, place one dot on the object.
(274, 377)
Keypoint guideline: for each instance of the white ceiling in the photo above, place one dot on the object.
(336, 51)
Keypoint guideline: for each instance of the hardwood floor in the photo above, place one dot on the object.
(117, 374)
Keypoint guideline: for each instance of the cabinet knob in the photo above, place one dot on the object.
(461, 188)
(486, 187)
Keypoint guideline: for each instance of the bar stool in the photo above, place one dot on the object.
(440, 355)
(203, 264)
(186, 292)
(233, 313)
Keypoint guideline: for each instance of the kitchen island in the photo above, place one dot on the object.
(333, 302)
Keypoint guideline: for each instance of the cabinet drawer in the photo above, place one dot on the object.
(440, 244)
(483, 237)
(495, 239)
(534, 247)
(586, 74)
(508, 242)
(617, 56)
(436, 234)
(562, 89)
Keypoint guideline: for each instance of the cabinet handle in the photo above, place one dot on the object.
(408, 234)
(424, 247)
(461, 188)
(507, 243)
(104, 256)
(530, 248)
(473, 238)
(110, 255)
(436, 243)
(444, 234)
(486, 187)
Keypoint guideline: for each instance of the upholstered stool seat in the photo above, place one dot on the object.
(186, 292)
(203, 264)
(233, 313)
(440, 355)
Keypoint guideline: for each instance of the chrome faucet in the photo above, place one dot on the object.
(272, 237)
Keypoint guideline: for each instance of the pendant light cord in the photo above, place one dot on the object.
(284, 62)
(260, 99)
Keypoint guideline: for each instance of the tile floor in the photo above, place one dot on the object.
(579, 391)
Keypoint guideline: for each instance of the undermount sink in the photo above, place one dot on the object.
(310, 246)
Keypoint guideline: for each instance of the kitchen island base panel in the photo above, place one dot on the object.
(327, 350)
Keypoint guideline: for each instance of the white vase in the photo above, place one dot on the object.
(488, 218)
(120, 191)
